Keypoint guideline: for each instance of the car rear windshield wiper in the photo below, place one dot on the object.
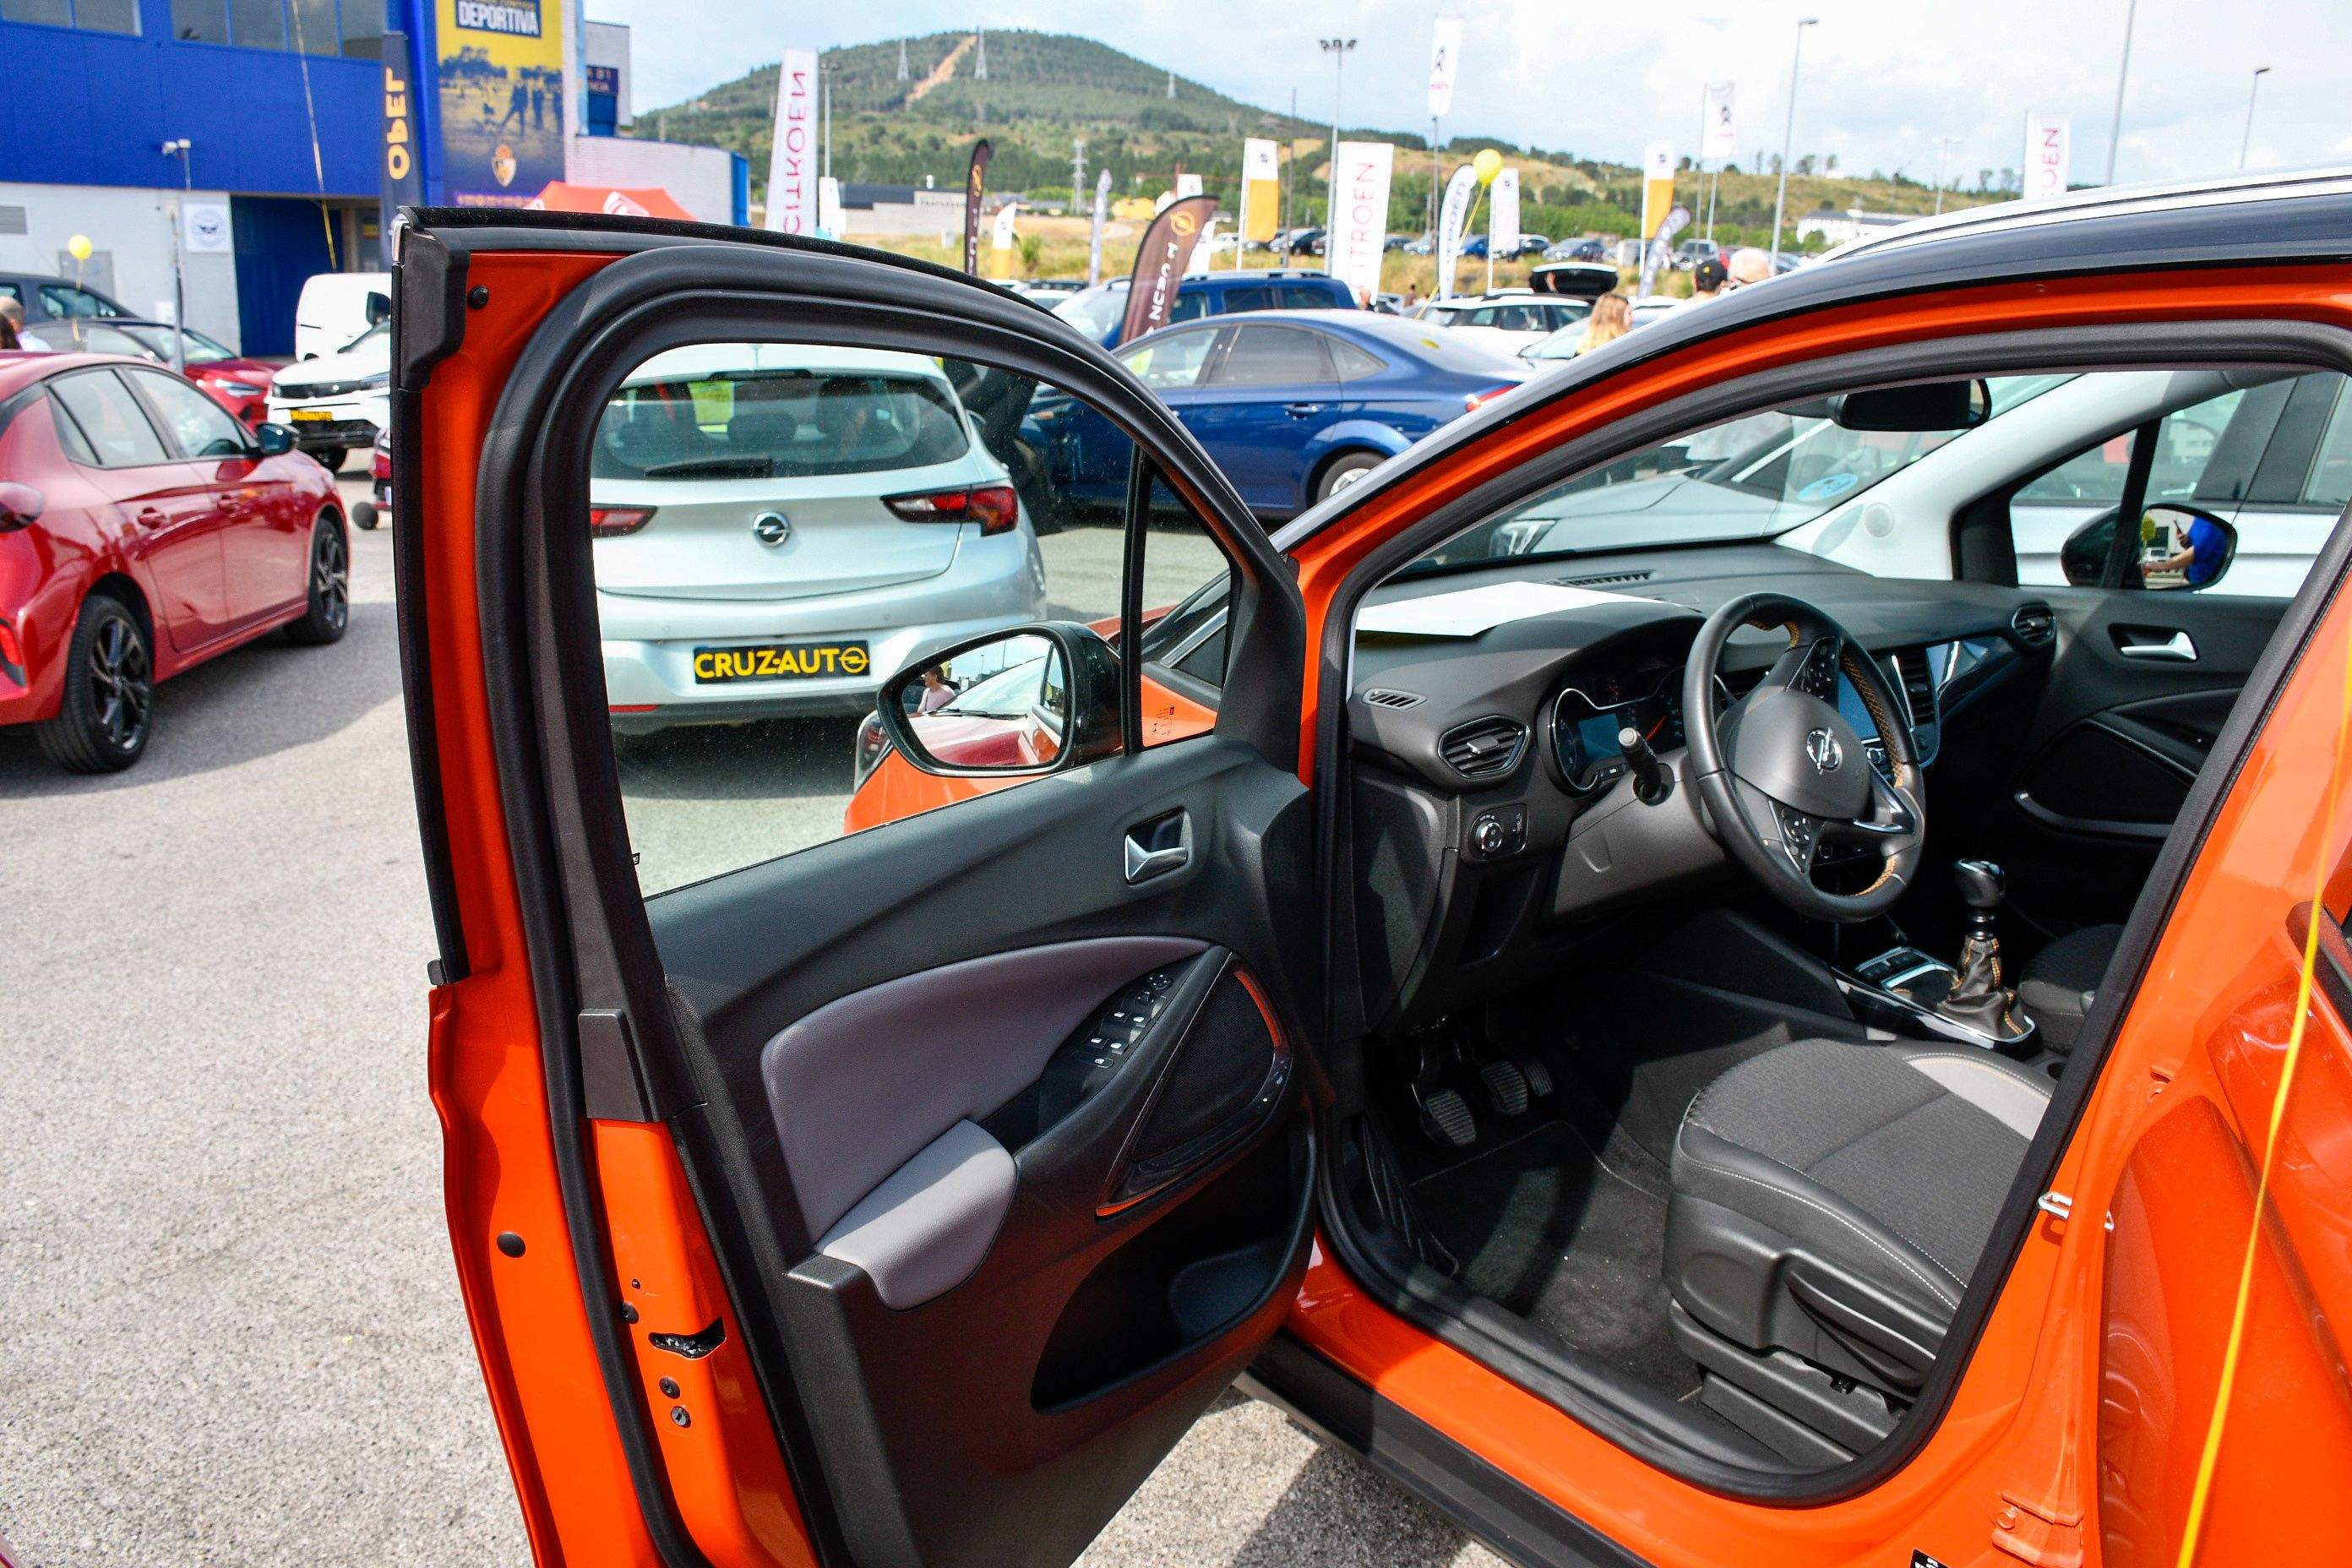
(750, 467)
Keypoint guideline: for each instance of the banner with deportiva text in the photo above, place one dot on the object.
(499, 65)
(1444, 61)
(1160, 263)
(792, 160)
(1261, 188)
(2048, 151)
(975, 183)
(1358, 230)
(1449, 219)
(1502, 217)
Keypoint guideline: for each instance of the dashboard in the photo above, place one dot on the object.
(1596, 706)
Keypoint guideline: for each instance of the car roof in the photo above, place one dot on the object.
(20, 368)
(2295, 216)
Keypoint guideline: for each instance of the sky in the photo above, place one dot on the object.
(1882, 80)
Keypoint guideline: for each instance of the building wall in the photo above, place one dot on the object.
(132, 233)
(701, 179)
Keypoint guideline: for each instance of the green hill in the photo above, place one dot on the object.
(1045, 91)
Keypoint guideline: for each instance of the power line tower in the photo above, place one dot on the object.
(902, 59)
(1171, 84)
(1077, 171)
(979, 71)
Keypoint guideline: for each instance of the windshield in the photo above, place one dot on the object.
(1749, 478)
(1093, 311)
(1007, 694)
(795, 423)
(202, 350)
(381, 330)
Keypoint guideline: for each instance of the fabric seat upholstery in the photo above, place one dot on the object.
(1874, 1174)
(2057, 986)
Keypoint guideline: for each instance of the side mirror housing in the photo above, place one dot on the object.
(379, 307)
(20, 506)
(272, 440)
(1023, 702)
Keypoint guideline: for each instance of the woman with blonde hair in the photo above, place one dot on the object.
(1611, 318)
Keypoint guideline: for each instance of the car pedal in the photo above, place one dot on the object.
(1532, 1067)
(1506, 1088)
(1445, 1119)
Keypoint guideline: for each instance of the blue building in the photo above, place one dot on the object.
(281, 105)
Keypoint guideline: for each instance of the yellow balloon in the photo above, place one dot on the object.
(1488, 164)
(79, 247)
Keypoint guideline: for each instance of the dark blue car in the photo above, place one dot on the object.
(1097, 311)
(1293, 405)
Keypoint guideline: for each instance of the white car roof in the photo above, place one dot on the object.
(712, 358)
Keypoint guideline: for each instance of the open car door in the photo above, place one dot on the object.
(903, 1198)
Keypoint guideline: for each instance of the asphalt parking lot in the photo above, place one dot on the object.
(233, 1331)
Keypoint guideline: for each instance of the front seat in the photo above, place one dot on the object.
(2059, 982)
(1830, 1202)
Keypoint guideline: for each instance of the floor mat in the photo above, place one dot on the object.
(1544, 1226)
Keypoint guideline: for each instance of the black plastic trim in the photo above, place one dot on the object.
(1514, 1352)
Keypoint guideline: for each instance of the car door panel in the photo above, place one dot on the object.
(851, 1044)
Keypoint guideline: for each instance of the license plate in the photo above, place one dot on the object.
(780, 661)
(304, 416)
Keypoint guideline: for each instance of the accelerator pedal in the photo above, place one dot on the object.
(1531, 1068)
(1445, 1119)
(1507, 1088)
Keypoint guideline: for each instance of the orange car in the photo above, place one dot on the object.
(1734, 977)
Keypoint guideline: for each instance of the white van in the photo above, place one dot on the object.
(336, 307)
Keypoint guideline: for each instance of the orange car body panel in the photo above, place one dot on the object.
(2071, 1437)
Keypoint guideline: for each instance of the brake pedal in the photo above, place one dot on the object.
(1507, 1088)
(1445, 1119)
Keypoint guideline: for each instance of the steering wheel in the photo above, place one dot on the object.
(1781, 771)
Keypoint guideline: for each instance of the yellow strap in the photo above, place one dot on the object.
(2192, 1533)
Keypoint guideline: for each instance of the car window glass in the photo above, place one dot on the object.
(1259, 299)
(1187, 582)
(775, 529)
(11, 291)
(1268, 355)
(2186, 444)
(64, 300)
(1352, 364)
(95, 338)
(114, 424)
(1305, 297)
(2330, 481)
(1173, 361)
(1188, 307)
(70, 436)
(198, 426)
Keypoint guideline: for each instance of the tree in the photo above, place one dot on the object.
(1828, 164)
(1805, 165)
(1984, 181)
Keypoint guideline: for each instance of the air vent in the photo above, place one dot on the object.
(1381, 696)
(2035, 624)
(1919, 684)
(1484, 748)
(1602, 580)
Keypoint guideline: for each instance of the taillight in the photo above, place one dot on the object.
(994, 507)
(1477, 400)
(610, 521)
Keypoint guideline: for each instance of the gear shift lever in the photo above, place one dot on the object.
(1978, 998)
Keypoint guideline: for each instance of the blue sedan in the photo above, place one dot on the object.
(1293, 405)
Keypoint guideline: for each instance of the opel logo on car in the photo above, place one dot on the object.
(1823, 748)
(772, 528)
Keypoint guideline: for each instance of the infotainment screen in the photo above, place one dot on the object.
(1851, 708)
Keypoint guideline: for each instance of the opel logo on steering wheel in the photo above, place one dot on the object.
(1823, 748)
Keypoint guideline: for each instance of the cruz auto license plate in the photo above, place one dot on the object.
(303, 415)
(780, 661)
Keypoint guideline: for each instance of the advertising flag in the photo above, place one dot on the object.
(975, 182)
(1655, 254)
(1445, 57)
(1187, 184)
(1721, 143)
(1449, 219)
(404, 181)
(1359, 219)
(1502, 218)
(1202, 249)
(828, 206)
(1657, 186)
(1261, 188)
(499, 64)
(1160, 263)
(2048, 149)
(1000, 233)
(1094, 228)
(791, 162)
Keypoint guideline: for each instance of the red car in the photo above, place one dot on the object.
(239, 385)
(142, 531)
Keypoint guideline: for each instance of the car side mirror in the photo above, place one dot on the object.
(379, 307)
(2181, 549)
(1032, 700)
(272, 440)
(20, 506)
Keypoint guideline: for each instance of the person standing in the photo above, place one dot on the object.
(12, 317)
(1708, 280)
(1611, 318)
(1748, 265)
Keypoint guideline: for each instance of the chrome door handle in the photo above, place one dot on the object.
(1302, 410)
(1155, 847)
(2177, 648)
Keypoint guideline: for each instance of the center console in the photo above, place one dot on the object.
(1902, 990)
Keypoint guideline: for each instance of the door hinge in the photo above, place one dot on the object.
(2032, 1533)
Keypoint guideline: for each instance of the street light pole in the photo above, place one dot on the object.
(1788, 136)
(2123, 73)
(1338, 49)
(179, 148)
(1944, 145)
(2247, 141)
(825, 71)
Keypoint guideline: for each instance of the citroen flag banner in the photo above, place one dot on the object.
(1261, 189)
(1359, 228)
(404, 181)
(1160, 263)
(501, 68)
(1502, 217)
(1449, 219)
(1721, 143)
(1444, 55)
(2047, 150)
(1202, 248)
(1654, 254)
(1657, 186)
(792, 163)
(975, 180)
(1094, 228)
